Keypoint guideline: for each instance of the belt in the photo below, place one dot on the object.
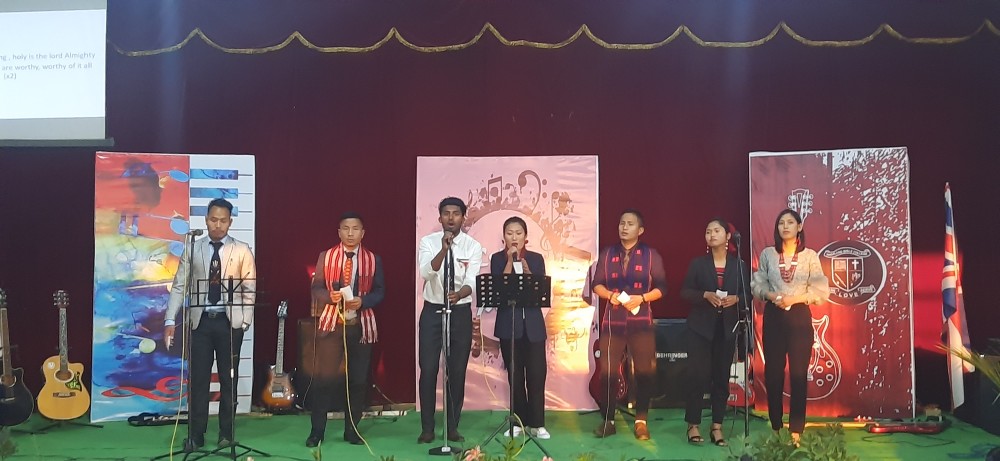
(213, 314)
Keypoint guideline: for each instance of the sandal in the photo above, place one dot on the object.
(720, 441)
(695, 439)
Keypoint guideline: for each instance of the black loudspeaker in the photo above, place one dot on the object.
(981, 406)
(314, 374)
(671, 363)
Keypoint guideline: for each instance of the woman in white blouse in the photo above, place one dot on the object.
(789, 278)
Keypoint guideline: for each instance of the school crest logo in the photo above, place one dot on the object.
(856, 271)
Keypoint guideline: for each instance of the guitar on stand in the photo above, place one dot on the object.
(63, 397)
(16, 403)
(279, 394)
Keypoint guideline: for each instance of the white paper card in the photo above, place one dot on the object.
(518, 267)
(721, 294)
(348, 295)
(623, 297)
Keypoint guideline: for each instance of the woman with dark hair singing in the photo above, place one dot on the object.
(789, 278)
(522, 333)
(712, 287)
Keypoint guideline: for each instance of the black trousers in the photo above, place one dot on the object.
(526, 370)
(641, 344)
(709, 361)
(330, 349)
(429, 356)
(213, 340)
(787, 335)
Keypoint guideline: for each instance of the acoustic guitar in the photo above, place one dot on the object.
(16, 403)
(63, 397)
(278, 394)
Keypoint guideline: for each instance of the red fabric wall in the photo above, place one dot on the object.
(672, 126)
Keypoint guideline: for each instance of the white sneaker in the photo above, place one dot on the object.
(540, 433)
(517, 432)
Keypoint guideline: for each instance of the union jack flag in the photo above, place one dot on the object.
(956, 329)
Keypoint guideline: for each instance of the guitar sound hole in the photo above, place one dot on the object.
(829, 377)
(819, 382)
(7, 380)
(829, 363)
(64, 375)
(819, 369)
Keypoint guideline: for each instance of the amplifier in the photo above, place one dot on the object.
(671, 363)
(981, 406)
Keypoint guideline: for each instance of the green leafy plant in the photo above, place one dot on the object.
(821, 444)
(988, 367)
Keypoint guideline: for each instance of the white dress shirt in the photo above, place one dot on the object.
(468, 258)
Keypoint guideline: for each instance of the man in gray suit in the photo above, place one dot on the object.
(219, 314)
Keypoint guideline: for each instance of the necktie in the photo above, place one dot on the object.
(348, 269)
(215, 275)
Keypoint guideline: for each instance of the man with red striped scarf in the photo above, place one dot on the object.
(347, 285)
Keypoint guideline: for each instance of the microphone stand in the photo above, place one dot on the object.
(188, 446)
(744, 326)
(449, 286)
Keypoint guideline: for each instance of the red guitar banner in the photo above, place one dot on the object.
(855, 207)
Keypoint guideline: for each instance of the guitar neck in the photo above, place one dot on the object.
(63, 346)
(278, 361)
(5, 343)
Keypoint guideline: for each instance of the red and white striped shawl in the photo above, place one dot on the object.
(333, 268)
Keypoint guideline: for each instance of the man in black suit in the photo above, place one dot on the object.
(346, 287)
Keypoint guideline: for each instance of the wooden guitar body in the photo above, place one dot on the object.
(63, 397)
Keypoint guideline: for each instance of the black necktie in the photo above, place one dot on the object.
(215, 276)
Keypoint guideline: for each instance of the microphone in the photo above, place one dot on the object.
(196, 232)
(517, 255)
(230, 290)
(736, 237)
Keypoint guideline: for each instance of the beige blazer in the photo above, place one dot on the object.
(237, 262)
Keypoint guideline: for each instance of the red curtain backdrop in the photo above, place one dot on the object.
(672, 125)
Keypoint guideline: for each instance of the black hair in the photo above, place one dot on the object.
(451, 201)
(722, 222)
(633, 211)
(351, 215)
(221, 203)
(515, 219)
(777, 236)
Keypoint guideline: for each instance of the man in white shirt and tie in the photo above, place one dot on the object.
(466, 259)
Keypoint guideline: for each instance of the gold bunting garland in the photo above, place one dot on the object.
(583, 31)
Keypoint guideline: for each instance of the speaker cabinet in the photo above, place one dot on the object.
(981, 406)
(671, 363)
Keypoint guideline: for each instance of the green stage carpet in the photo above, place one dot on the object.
(284, 436)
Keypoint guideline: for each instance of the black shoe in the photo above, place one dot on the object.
(313, 441)
(425, 437)
(717, 440)
(354, 440)
(454, 436)
(193, 444)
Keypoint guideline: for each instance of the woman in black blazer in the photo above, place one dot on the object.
(522, 333)
(712, 287)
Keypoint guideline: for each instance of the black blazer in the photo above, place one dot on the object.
(700, 278)
(525, 322)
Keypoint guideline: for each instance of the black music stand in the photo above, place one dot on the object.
(230, 289)
(517, 291)
(189, 450)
